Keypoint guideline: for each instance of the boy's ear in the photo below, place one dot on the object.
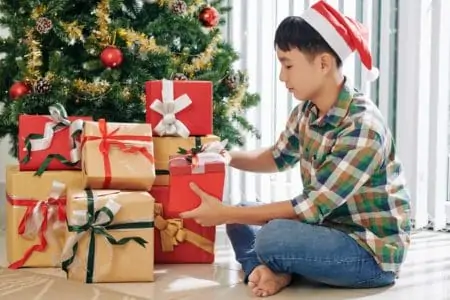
(326, 62)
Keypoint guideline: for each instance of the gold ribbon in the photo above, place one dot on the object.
(172, 233)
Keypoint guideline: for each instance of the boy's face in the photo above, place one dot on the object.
(302, 75)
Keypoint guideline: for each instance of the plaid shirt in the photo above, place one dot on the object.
(351, 176)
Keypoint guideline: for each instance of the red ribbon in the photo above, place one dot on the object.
(111, 139)
(30, 205)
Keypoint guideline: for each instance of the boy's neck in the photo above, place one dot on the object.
(328, 95)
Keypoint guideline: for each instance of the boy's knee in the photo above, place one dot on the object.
(271, 237)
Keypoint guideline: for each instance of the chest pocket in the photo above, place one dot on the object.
(320, 146)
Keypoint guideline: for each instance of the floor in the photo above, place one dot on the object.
(426, 275)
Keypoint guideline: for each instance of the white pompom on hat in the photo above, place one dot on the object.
(343, 34)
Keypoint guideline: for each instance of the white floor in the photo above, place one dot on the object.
(426, 275)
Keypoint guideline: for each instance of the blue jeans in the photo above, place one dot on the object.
(316, 253)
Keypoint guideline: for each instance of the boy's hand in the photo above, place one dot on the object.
(211, 212)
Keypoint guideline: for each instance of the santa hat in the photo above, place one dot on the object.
(343, 34)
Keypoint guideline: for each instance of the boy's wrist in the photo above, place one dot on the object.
(229, 214)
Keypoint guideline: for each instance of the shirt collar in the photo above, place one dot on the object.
(338, 111)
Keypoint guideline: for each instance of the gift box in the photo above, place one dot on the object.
(180, 108)
(165, 147)
(117, 156)
(49, 142)
(35, 216)
(206, 169)
(179, 241)
(110, 236)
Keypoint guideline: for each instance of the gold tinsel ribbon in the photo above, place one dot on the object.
(172, 233)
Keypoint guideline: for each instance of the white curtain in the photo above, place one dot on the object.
(422, 105)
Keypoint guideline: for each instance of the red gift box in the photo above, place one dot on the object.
(207, 170)
(179, 241)
(59, 147)
(180, 108)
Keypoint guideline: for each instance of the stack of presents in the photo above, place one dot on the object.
(101, 200)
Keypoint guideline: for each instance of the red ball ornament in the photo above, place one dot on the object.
(19, 89)
(111, 57)
(209, 17)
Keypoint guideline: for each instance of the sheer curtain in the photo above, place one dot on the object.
(423, 104)
(251, 27)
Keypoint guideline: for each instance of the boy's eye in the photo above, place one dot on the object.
(288, 67)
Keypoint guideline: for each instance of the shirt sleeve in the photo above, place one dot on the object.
(286, 152)
(356, 155)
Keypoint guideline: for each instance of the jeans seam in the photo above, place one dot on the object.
(368, 280)
(315, 260)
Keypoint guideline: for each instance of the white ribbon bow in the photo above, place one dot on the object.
(58, 116)
(168, 108)
(33, 224)
(204, 158)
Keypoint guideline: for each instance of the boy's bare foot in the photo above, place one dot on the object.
(266, 283)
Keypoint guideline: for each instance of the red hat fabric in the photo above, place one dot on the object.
(343, 34)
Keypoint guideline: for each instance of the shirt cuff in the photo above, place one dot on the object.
(296, 203)
(306, 209)
(277, 156)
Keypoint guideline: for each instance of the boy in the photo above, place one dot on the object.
(350, 227)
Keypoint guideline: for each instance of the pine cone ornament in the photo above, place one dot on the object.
(232, 81)
(42, 86)
(180, 76)
(44, 25)
(179, 7)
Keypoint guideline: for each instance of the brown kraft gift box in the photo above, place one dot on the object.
(29, 199)
(110, 236)
(117, 156)
(169, 146)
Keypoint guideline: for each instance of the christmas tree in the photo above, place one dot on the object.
(94, 57)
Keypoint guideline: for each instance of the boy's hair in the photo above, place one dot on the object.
(294, 32)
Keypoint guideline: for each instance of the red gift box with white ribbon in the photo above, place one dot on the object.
(179, 108)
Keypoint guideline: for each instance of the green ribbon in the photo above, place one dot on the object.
(101, 229)
(193, 151)
(162, 172)
(58, 157)
(198, 142)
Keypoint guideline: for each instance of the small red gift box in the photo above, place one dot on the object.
(179, 241)
(49, 143)
(207, 170)
(180, 108)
